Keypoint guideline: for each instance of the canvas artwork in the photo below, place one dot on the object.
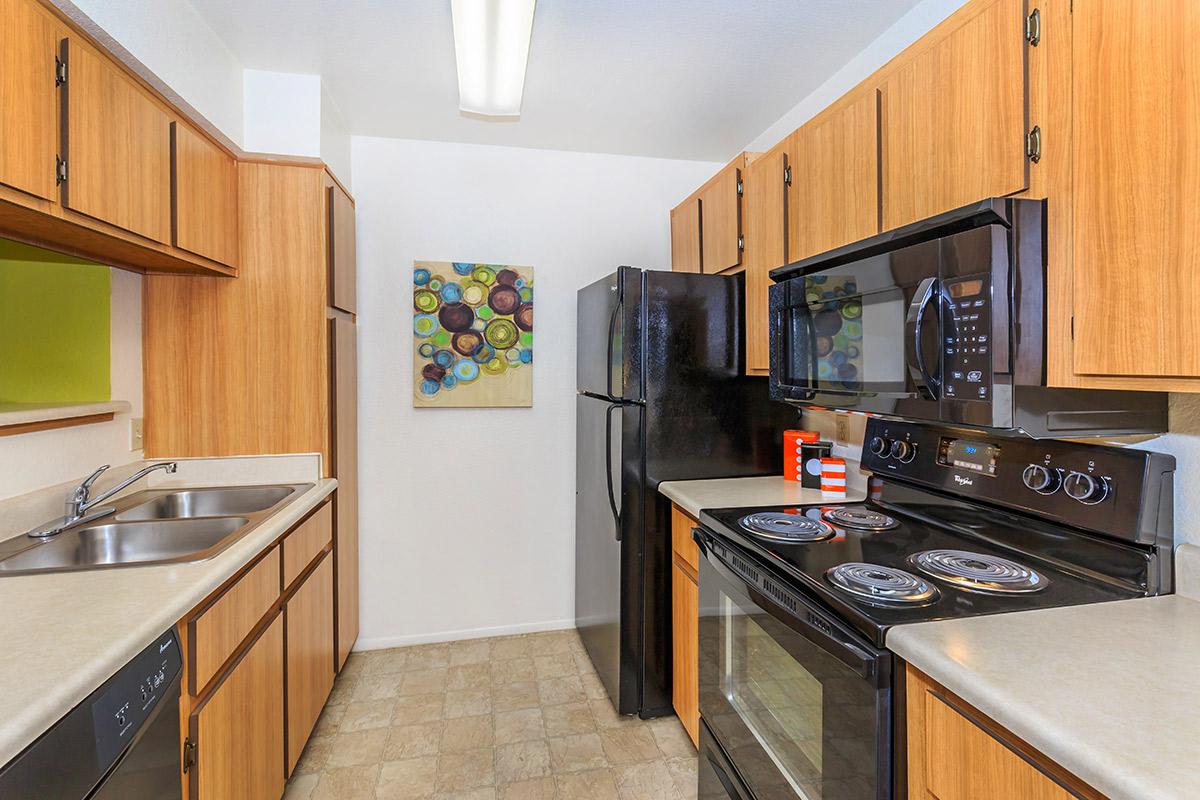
(472, 335)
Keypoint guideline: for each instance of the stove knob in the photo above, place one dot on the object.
(1085, 488)
(1042, 480)
(879, 446)
(903, 451)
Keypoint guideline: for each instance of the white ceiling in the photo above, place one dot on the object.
(694, 79)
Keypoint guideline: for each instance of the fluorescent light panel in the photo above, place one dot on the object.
(491, 47)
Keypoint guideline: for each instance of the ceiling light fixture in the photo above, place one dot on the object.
(491, 46)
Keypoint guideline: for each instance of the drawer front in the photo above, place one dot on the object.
(217, 631)
(681, 538)
(306, 542)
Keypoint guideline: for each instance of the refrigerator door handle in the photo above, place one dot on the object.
(612, 327)
(612, 501)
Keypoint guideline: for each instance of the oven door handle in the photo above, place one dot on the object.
(796, 613)
(927, 290)
(723, 777)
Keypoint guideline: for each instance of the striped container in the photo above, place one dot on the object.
(833, 478)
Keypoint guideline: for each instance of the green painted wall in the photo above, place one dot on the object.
(54, 327)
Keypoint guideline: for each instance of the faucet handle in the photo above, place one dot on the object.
(84, 488)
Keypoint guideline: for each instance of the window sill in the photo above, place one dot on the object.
(16, 418)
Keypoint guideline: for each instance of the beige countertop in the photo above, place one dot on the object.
(65, 633)
(770, 490)
(1108, 690)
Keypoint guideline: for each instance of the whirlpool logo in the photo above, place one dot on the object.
(963, 481)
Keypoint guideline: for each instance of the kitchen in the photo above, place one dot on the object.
(930, 239)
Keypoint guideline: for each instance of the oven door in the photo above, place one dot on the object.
(799, 704)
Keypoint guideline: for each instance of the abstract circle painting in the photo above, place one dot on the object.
(472, 335)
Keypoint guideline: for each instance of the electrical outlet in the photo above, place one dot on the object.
(135, 433)
(841, 430)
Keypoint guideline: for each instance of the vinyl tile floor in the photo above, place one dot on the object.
(511, 718)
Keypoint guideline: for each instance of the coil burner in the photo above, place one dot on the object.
(861, 519)
(978, 572)
(879, 585)
(781, 527)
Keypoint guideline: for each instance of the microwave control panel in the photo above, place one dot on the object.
(967, 360)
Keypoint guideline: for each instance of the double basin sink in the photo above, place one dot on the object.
(160, 526)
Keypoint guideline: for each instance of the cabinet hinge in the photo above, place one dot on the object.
(741, 243)
(741, 188)
(1033, 144)
(189, 754)
(787, 175)
(1033, 27)
(60, 170)
(60, 72)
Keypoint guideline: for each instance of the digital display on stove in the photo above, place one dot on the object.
(965, 454)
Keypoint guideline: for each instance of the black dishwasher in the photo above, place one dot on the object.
(120, 742)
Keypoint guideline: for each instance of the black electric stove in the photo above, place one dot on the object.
(796, 686)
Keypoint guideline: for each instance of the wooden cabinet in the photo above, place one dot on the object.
(204, 196)
(766, 197)
(835, 193)
(342, 250)
(957, 753)
(306, 541)
(344, 364)
(28, 98)
(310, 654)
(685, 621)
(685, 236)
(118, 146)
(238, 729)
(1136, 180)
(721, 219)
(953, 116)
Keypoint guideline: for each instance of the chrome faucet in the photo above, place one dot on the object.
(81, 506)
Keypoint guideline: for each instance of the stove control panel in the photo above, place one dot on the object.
(1119, 491)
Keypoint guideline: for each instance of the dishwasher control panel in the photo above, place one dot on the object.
(120, 710)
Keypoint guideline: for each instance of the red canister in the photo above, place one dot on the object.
(793, 453)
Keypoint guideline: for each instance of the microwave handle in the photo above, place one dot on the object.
(927, 290)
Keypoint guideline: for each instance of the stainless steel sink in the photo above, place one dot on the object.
(208, 503)
(159, 526)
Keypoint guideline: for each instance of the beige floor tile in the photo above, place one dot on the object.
(365, 716)
(577, 753)
(357, 749)
(671, 738)
(472, 651)
(343, 690)
(583, 662)
(468, 676)
(628, 745)
(409, 779)
(649, 780)
(301, 787)
(347, 783)
(513, 670)
(428, 656)
(556, 691)
(607, 716)
(522, 761)
(411, 741)
(536, 789)
(422, 681)
(385, 662)
(596, 784)
(468, 770)
(468, 703)
(329, 721)
(510, 647)
(482, 793)
(467, 733)
(515, 696)
(592, 686)
(520, 726)
(419, 708)
(377, 687)
(683, 774)
(555, 665)
(315, 755)
(541, 644)
(568, 719)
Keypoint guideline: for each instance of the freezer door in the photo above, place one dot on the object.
(607, 544)
(608, 336)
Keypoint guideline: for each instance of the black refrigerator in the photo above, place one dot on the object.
(661, 396)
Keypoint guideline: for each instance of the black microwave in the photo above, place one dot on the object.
(942, 320)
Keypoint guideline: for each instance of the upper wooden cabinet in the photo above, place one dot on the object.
(1136, 181)
(721, 219)
(28, 98)
(685, 236)
(766, 197)
(118, 147)
(342, 251)
(204, 195)
(835, 190)
(953, 124)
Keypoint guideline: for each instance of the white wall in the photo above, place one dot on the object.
(335, 138)
(34, 460)
(468, 515)
(282, 113)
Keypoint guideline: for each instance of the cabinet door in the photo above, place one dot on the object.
(343, 263)
(685, 236)
(28, 98)
(118, 147)
(685, 610)
(204, 196)
(954, 119)
(238, 731)
(1136, 136)
(309, 620)
(766, 198)
(344, 359)
(835, 162)
(721, 221)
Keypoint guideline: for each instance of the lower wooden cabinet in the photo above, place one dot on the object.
(238, 729)
(309, 621)
(957, 753)
(685, 619)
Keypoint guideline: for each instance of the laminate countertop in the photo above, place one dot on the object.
(1108, 691)
(769, 490)
(65, 633)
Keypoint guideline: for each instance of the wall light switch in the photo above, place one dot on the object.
(135, 433)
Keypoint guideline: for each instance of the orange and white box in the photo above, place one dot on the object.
(833, 478)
